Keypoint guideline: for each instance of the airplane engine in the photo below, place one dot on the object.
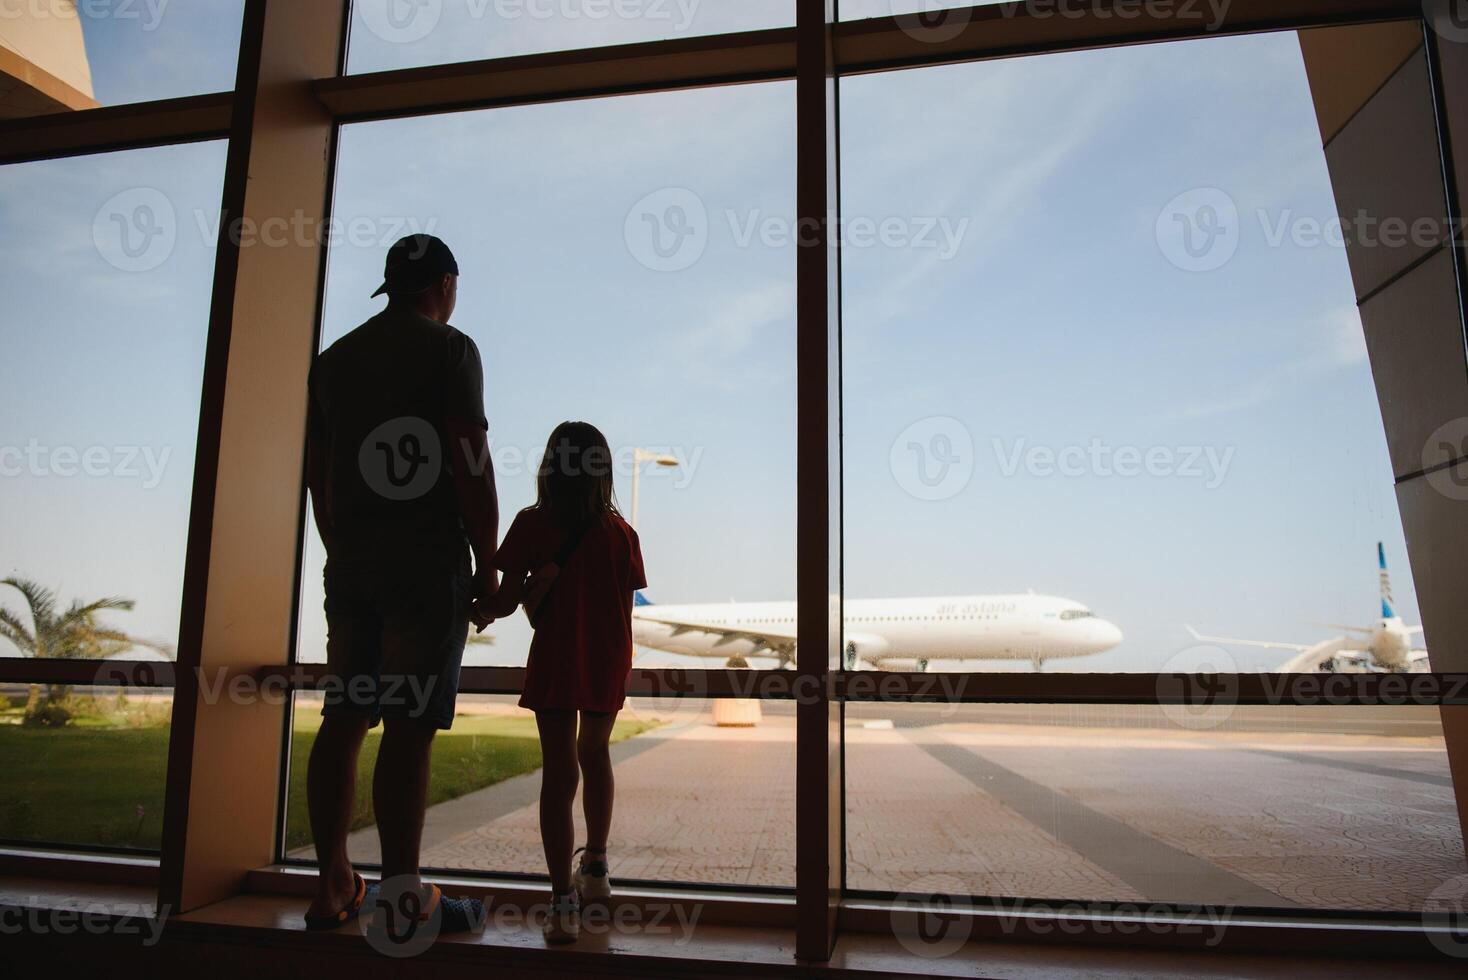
(864, 651)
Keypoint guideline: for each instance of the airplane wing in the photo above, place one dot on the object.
(777, 641)
(1412, 630)
(1312, 659)
(1266, 644)
(1308, 658)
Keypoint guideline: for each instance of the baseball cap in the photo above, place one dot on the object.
(416, 262)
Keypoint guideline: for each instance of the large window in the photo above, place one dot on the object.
(107, 273)
(1104, 358)
(677, 339)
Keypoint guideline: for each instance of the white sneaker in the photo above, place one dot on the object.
(563, 919)
(591, 879)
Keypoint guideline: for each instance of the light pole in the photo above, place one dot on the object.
(640, 456)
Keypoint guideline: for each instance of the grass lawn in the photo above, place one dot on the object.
(99, 781)
(479, 751)
(83, 784)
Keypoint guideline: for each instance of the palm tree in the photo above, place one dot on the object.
(73, 634)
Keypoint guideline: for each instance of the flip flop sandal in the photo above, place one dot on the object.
(323, 923)
(456, 914)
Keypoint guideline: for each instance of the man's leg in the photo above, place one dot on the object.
(594, 752)
(558, 780)
(400, 795)
(331, 782)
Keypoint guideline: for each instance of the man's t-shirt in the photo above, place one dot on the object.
(381, 400)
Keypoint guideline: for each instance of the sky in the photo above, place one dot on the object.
(1023, 322)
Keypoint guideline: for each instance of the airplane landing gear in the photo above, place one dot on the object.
(848, 659)
(922, 666)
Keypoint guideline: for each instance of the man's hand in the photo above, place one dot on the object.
(481, 613)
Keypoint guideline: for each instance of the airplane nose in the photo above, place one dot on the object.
(1108, 635)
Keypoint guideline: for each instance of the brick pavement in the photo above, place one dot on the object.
(1317, 820)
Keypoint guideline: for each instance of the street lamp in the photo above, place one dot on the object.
(640, 456)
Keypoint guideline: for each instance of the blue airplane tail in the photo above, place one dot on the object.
(638, 599)
(1388, 604)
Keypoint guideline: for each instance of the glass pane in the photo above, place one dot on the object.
(1343, 808)
(734, 825)
(677, 338)
(96, 781)
(387, 34)
(107, 274)
(1059, 424)
(63, 55)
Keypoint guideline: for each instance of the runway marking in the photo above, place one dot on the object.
(1155, 868)
(1318, 759)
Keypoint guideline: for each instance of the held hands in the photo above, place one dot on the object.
(481, 612)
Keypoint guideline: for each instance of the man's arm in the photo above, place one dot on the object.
(316, 468)
(480, 508)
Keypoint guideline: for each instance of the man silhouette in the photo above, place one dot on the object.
(402, 490)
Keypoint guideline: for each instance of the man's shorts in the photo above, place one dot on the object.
(395, 638)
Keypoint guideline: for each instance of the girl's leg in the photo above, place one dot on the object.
(592, 748)
(557, 793)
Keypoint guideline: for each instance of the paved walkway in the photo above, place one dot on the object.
(1274, 819)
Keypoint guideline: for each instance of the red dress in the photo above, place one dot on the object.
(582, 651)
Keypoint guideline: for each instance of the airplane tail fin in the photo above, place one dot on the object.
(639, 599)
(1388, 604)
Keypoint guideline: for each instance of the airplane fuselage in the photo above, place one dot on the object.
(891, 633)
(1390, 644)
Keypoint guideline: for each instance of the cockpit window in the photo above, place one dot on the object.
(1076, 614)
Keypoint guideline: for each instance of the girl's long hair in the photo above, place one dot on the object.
(574, 485)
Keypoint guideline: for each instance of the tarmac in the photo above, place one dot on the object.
(1318, 808)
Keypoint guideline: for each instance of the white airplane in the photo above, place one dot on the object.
(1384, 646)
(887, 634)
